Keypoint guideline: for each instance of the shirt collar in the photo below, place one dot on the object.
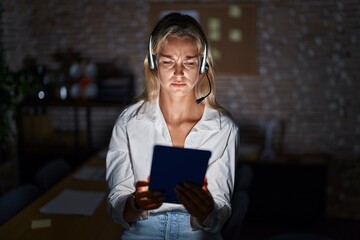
(209, 121)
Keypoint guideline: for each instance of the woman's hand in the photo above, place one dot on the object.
(145, 199)
(196, 200)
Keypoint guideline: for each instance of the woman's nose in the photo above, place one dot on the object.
(178, 69)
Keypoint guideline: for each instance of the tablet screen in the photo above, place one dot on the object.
(172, 166)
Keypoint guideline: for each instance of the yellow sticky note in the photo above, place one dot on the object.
(214, 23)
(216, 54)
(214, 35)
(42, 223)
(235, 11)
(235, 35)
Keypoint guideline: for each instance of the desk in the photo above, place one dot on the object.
(97, 226)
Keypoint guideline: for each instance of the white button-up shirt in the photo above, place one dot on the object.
(141, 126)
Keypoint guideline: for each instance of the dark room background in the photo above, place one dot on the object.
(306, 82)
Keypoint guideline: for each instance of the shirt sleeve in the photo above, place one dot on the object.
(221, 178)
(119, 173)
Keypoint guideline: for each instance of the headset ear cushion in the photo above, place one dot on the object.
(151, 56)
(154, 61)
(203, 69)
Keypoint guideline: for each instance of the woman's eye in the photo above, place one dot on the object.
(167, 63)
(190, 63)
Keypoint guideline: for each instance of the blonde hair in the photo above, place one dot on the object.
(181, 26)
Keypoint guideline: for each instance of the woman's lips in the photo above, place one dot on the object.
(178, 84)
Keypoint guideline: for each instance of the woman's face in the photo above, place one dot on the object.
(178, 66)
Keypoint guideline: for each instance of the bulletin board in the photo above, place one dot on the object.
(230, 28)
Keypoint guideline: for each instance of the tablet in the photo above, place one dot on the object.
(172, 166)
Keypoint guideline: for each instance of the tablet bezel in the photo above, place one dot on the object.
(171, 166)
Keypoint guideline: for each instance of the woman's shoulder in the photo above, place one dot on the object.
(226, 120)
(136, 111)
(130, 111)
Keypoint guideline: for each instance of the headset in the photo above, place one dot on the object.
(204, 67)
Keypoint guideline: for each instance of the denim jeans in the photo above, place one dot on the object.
(174, 225)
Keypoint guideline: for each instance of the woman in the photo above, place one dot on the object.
(177, 108)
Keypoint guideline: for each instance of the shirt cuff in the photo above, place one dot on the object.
(210, 224)
(117, 213)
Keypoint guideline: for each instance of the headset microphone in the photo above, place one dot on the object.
(199, 100)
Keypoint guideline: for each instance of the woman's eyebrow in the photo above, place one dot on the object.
(165, 55)
(171, 57)
(191, 57)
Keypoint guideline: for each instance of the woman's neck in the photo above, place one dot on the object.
(177, 110)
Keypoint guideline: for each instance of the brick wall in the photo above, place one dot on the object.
(308, 56)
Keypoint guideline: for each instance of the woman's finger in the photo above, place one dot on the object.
(198, 194)
(195, 198)
(185, 200)
(150, 203)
